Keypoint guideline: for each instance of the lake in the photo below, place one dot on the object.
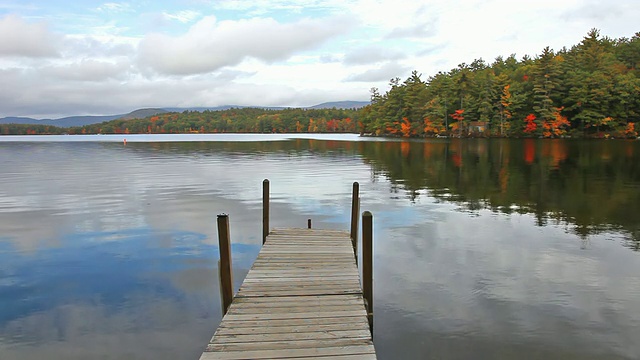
(483, 249)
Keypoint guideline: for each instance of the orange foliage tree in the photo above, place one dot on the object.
(401, 128)
(405, 127)
(555, 127)
(630, 130)
(392, 129)
(505, 103)
(430, 128)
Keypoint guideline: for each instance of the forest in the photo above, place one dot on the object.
(589, 90)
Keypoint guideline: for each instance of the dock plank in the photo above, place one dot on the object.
(301, 299)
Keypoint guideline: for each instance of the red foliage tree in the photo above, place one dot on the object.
(530, 124)
(332, 125)
(349, 126)
(458, 117)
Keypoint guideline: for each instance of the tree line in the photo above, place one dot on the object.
(236, 120)
(589, 90)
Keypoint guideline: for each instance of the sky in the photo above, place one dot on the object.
(71, 57)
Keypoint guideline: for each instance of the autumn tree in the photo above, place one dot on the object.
(530, 124)
(505, 103)
(458, 117)
(556, 127)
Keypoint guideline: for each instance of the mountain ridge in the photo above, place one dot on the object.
(80, 120)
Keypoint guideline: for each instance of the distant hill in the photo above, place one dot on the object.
(62, 122)
(326, 105)
(20, 120)
(222, 108)
(71, 121)
(341, 105)
(143, 113)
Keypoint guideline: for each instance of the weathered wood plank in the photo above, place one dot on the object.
(343, 357)
(290, 329)
(272, 274)
(297, 231)
(294, 307)
(307, 256)
(294, 315)
(295, 344)
(299, 266)
(293, 322)
(256, 277)
(301, 286)
(293, 336)
(301, 282)
(308, 287)
(301, 299)
(279, 300)
(292, 292)
(353, 288)
(292, 310)
(290, 353)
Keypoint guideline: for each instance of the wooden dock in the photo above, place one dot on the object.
(301, 299)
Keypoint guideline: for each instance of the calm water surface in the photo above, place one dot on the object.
(484, 249)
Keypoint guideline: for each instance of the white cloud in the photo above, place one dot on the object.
(258, 7)
(424, 30)
(328, 58)
(371, 55)
(322, 82)
(210, 45)
(87, 70)
(431, 49)
(98, 47)
(386, 16)
(115, 7)
(185, 16)
(19, 38)
(383, 73)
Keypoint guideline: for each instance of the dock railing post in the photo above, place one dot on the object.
(367, 264)
(355, 211)
(265, 210)
(224, 265)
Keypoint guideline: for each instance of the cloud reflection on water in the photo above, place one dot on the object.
(127, 294)
(523, 288)
(124, 238)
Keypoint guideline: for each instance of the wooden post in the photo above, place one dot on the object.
(367, 264)
(222, 304)
(224, 267)
(265, 210)
(355, 211)
(308, 223)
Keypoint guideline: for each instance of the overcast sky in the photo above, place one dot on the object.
(72, 57)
